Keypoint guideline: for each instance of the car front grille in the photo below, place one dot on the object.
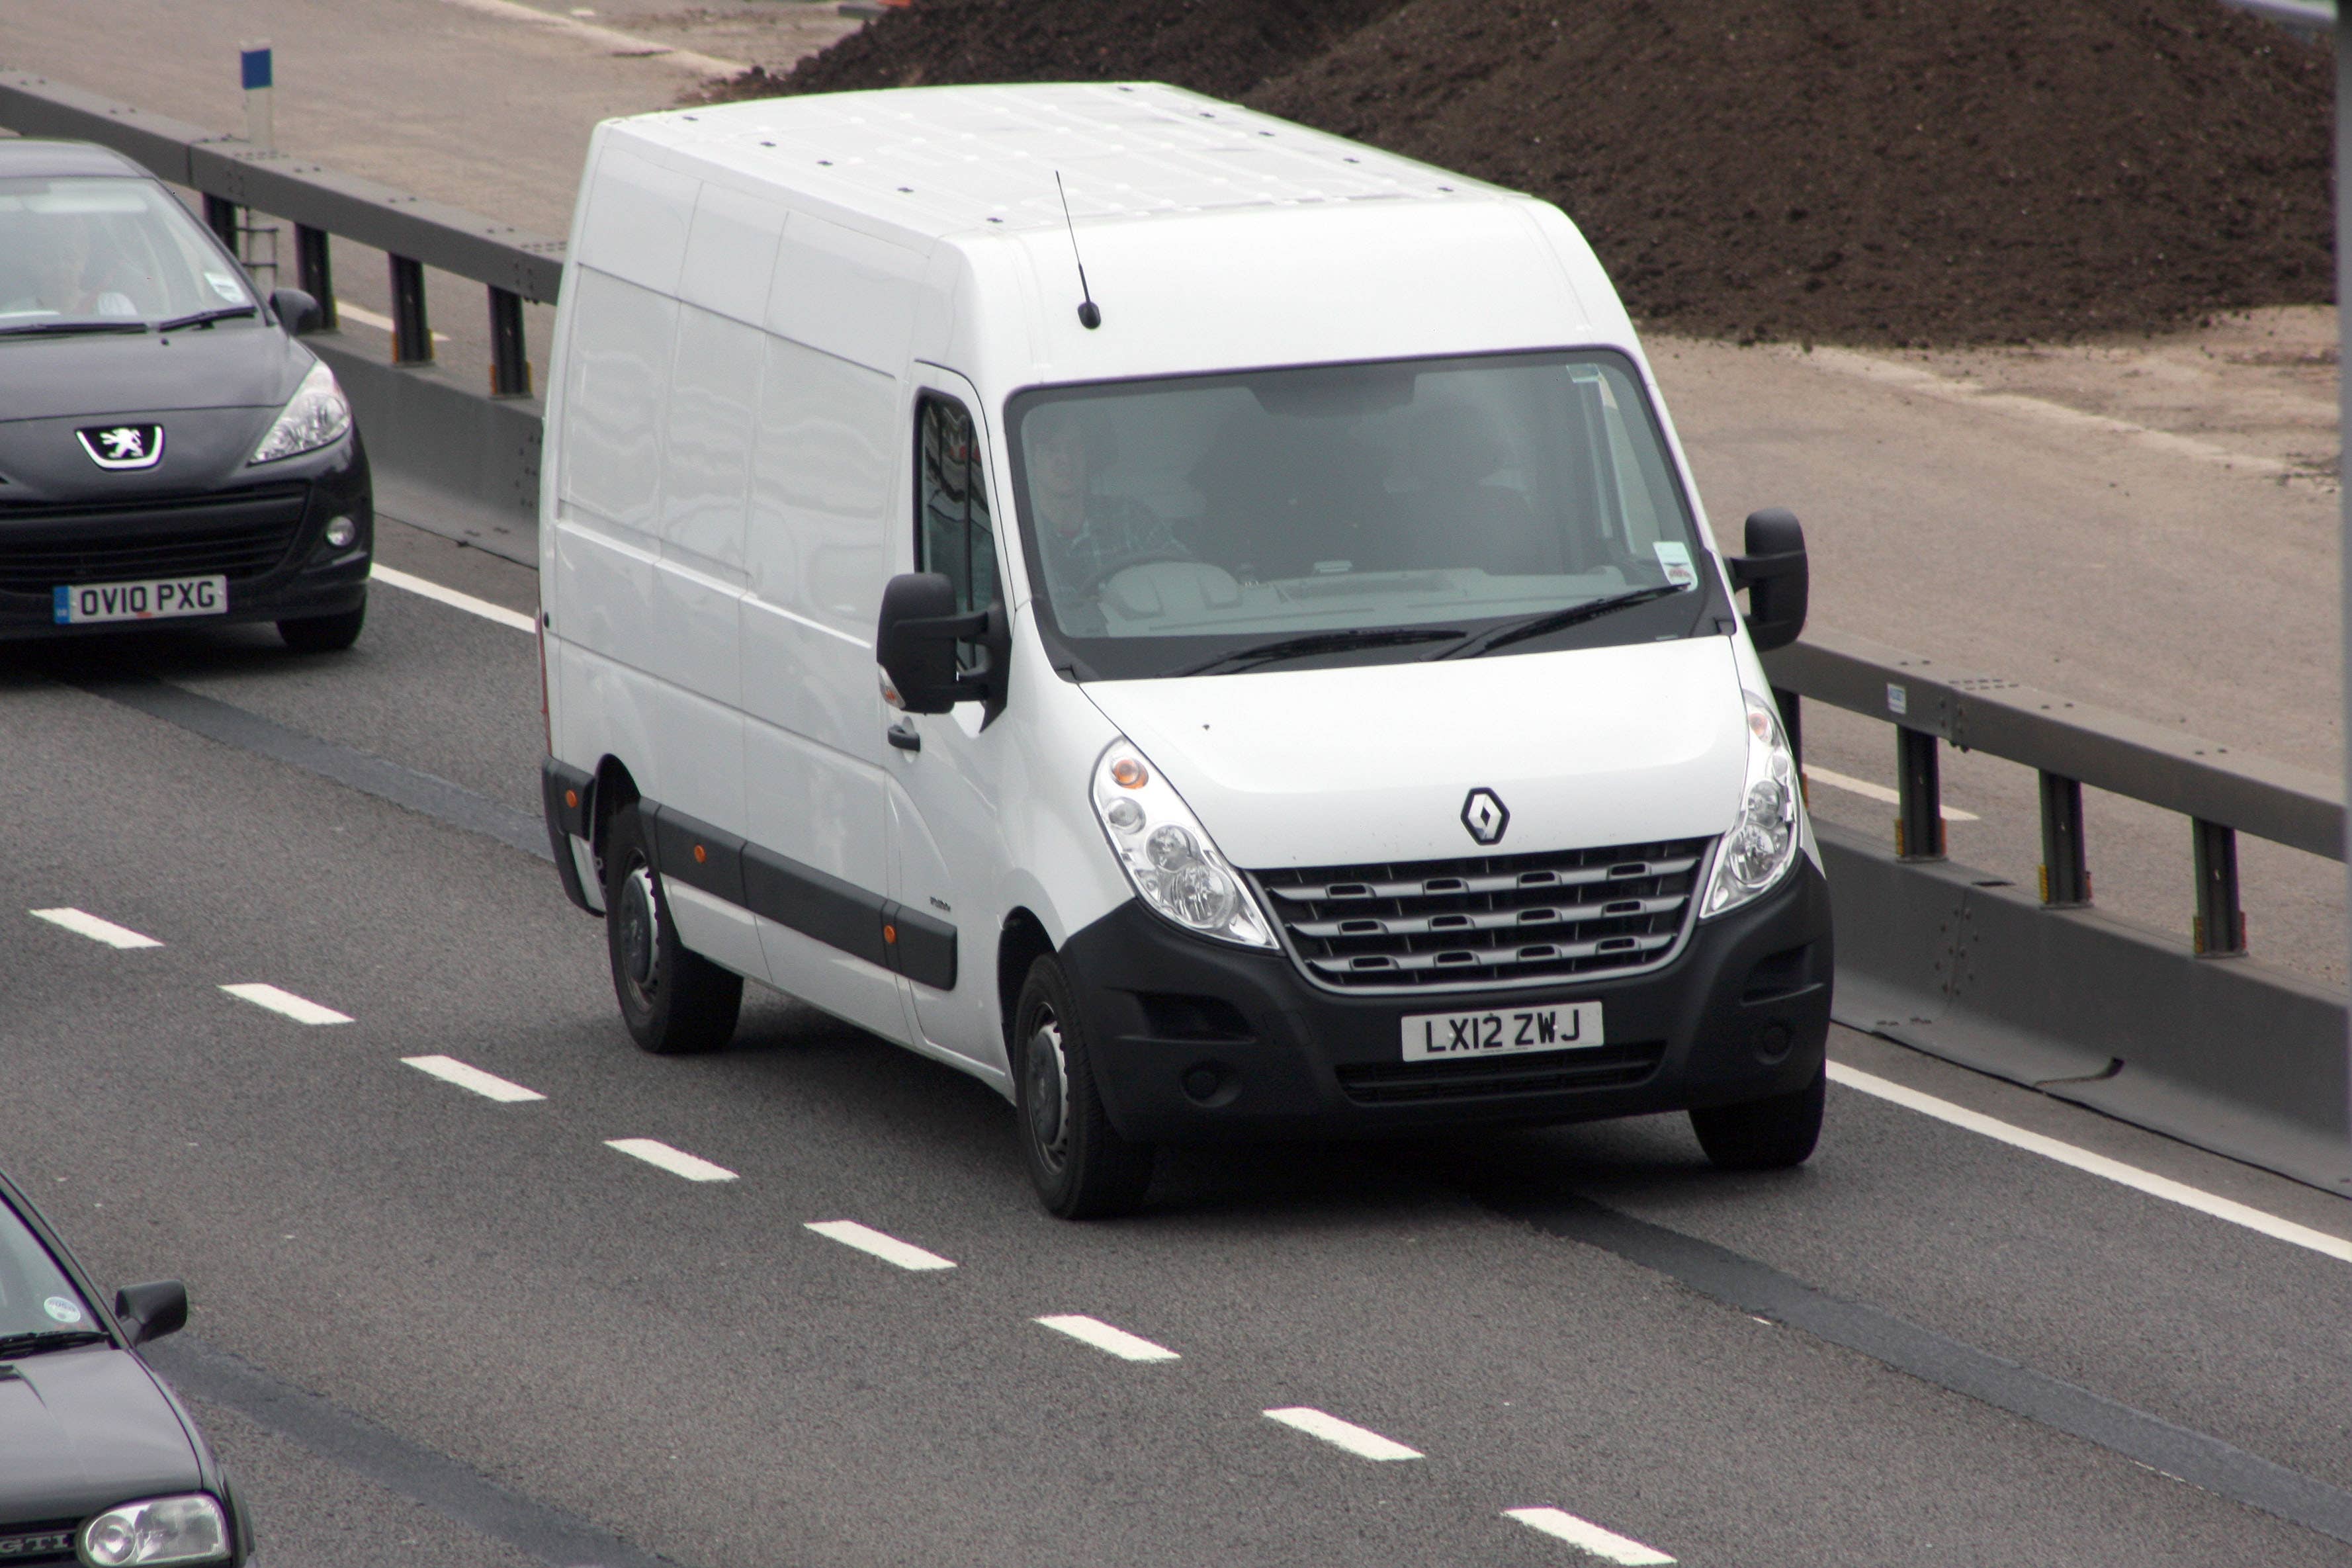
(49, 1541)
(238, 536)
(1497, 920)
(1502, 1078)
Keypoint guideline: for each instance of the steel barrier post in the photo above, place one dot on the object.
(2065, 866)
(2221, 928)
(1919, 811)
(220, 217)
(314, 272)
(412, 338)
(509, 368)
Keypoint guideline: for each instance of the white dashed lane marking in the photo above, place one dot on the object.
(676, 1162)
(489, 1086)
(1103, 1337)
(424, 588)
(1342, 1434)
(82, 923)
(1582, 1533)
(888, 1248)
(1869, 791)
(298, 1008)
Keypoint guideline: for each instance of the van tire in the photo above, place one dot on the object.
(1764, 1135)
(324, 634)
(675, 1001)
(1082, 1168)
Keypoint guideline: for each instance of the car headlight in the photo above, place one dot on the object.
(1165, 853)
(1763, 843)
(315, 416)
(161, 1529)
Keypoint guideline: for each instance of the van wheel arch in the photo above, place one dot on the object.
(1021, 943)
(613, 789)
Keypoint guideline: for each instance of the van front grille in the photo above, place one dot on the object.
(1496, 920)
(1502, 1078)
(237, 536)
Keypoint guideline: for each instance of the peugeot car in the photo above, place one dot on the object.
(169, 451)
(100, 1464)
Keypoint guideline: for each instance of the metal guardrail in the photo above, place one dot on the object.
(413, 231)
(2071, 745)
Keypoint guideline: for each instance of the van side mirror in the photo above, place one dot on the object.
(1774, 573)
(297, 311)
(149, 1312)
(915, 643)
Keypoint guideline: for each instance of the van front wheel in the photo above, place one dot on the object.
(675, 1001)
(1764, 1135)
(1083, 1168)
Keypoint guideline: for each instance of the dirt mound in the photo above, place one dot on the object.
(1857, 171)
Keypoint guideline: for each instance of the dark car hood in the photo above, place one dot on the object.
(214, 391)
(84, 1429)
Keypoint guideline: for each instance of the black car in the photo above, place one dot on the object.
(99, 1463)
(169, 451)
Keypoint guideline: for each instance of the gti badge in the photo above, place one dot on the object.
(123, 445)
(1486, 815)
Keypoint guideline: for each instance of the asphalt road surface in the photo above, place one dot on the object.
(435, 1326)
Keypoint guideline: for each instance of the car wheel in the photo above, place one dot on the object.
(1082, 1168)
(675, 1001)
(1764, 1135)
(324, 634)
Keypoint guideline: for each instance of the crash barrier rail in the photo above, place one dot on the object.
(2207, 1045)
(2044, 988)
(442, 451)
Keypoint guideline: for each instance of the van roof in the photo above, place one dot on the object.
(938, 161)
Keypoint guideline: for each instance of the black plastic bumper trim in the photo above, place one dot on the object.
(566, 798)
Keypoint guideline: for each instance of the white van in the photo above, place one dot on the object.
(1239, 658)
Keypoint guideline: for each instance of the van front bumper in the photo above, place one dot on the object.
(1195, 1040)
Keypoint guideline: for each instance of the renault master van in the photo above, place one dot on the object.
(1202, 626)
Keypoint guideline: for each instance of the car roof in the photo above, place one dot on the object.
(28, 155)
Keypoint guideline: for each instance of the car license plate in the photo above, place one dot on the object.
(157, 599)
(1563, 1026)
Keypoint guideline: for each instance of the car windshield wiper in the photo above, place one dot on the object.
(1510, 632)
(1319, 642)
(37, 1341)
(204, 318)
(59, 329)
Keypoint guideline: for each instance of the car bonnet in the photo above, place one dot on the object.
(81, 1430)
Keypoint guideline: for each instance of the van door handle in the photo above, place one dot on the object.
(904, 735)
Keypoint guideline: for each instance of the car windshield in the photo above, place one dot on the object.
(35, 1297)
(1346, 513)
(113, 252)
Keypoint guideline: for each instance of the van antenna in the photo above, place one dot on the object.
(1089, 314)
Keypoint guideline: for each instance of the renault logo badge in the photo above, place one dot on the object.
(119, 447)
(1486, 815)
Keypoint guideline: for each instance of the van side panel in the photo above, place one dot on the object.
(823, 457)
(846, 293)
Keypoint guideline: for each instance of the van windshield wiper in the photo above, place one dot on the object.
(1510, 632)
(59, 329)
(1319, 642)
(38, 1340)
(206, 318)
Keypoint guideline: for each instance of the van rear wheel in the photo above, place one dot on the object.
(1770, 1135)
(1082, 1168)
(675, 1001)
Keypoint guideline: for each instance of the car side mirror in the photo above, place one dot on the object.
(149, 1312)
(1775, 574)
(297, 311)
(915, 643)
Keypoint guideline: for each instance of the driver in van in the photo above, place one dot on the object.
(1084, 534)
(59, 262)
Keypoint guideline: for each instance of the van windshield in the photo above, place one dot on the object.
(1402, 509)
(108, 254)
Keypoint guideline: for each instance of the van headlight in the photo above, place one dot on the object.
(1167, 855)
(315, 416)
(161, 1529)
(1763, 843)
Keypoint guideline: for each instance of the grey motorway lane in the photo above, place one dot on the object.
(687, 1365)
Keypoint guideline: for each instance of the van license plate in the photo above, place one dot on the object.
(157, 599)
(1564, 1026)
